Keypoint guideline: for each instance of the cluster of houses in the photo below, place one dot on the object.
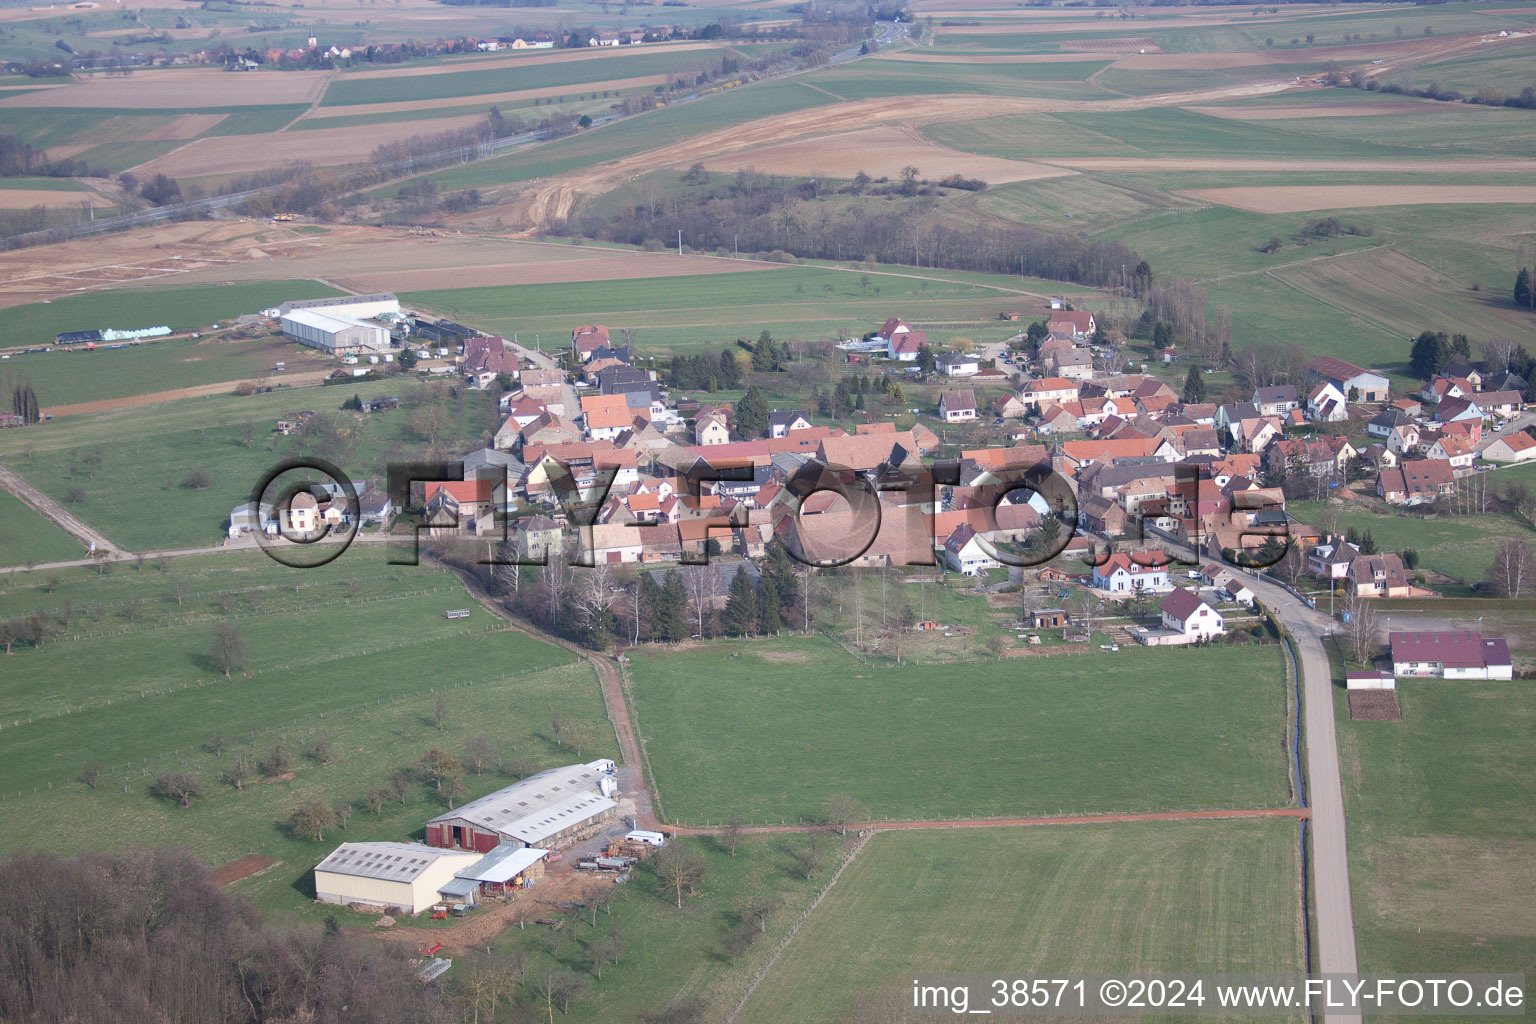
(1132, 454)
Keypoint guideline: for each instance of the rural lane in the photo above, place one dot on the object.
(1325, 788)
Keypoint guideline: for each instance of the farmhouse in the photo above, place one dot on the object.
(1071, 323)
(958, 364)
(1188, 616)
(404, 875)
(781, 423)
(1517, 447)
(957, 406)
(1353, 382)
(1450, 655)
(963, 553)
(1123, 573)
(1415, 481)
(551, 809)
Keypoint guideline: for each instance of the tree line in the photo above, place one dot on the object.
(759, 214)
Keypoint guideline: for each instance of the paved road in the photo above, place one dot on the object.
(1325, 789)
(54, 512)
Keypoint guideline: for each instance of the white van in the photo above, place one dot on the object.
(640, 835)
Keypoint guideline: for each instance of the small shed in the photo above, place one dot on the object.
(1369, 681)
(1048, 618)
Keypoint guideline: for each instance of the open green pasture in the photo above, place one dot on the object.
(681, 313)
(137, 495)
(1459, 546)
(671, 956)
(636, 134)
(68, 375)
(871, 79)
(181, 309)
(1145, 897)
(1442, 815)
(1146, 730)
(26, 536)
(353, 651)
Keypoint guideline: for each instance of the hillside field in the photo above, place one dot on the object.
(1442, 847)
(1042, 902)
(1186, 729)
(353, 651)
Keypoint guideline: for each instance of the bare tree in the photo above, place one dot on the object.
(375, 799)
(679, 868)
(480, 753)
(183, 787)
(310, 820)
(239, 772)
(279, 761)
(522, 767)
(90, 774)
(1513, 572)
(1361, 634)
(440, 711)
(701, 582)
(1497, 354)
(228, 652)
(595, 592)
(841, 810)
(810, 857)
(731, 835)
(343, 813)
(323, 750)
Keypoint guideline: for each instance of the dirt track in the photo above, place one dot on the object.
(55, 513)
(195, 391)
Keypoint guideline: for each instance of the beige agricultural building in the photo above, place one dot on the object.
(334, 334)
(404, 875)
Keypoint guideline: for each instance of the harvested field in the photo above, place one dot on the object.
(913, 56)
(607, 266)
(879, 152)
(1290, 113)
(1301, 198)
(172, 88)
(555, 196)
(184, 126)
(537, 58)
(243, 868)
(236, 154)
(26, 198)
(356, 109)
(1511, 165)
(1374, 706)
(1141, 44)
(148, 255)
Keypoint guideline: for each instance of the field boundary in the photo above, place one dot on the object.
(767, 968)
(920, 824)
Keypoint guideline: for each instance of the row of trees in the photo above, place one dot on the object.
(787, 216)
(23, 398)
